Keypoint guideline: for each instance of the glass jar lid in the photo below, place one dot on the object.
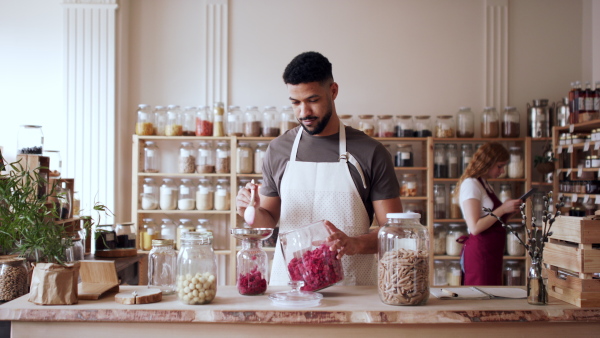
(384, 117)
(365, 116)
(162, 242)
(404, 215)
(296, 297)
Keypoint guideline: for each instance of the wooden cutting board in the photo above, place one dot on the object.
(145, 296)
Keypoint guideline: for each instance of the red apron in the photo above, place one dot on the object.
(483, 254)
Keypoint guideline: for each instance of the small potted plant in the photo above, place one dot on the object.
(544, 164)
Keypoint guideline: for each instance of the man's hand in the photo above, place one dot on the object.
(340, 241)
(242, 201)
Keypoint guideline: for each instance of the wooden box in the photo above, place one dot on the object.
(584, 230)
(581, 258)
(581, 292)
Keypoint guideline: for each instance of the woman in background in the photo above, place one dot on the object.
(483, 249)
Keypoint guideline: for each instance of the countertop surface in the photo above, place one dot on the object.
(340, 305)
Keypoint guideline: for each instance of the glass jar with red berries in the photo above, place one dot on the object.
(252, 261)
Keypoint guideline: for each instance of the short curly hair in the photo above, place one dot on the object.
(308, 67)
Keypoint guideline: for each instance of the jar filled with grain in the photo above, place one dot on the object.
(439, 205)
(149, 233)
(423, 126)
(150, 195)
(440, 231)
(385, 126)
(204, 121)
(513, 246)
(403, 260)
(455, 231)
(511, 122)
(453, 273)
(455, 212)
(187, 195)
(444, 126)
(187, 160)
(366, 124)
(288, 119)
(440, 273)
(223, 159)
(404, 126)
(505, 192)
(205, 195)
(174, 125)
(465, 123)
(205, 159)
(160, 120)
(168, 195)
(189, 121)
(196, 269)
(222, 199)
(235, 121)
(218, 116)
(14, 280)
(145, 120)
(408, 185)
(270, 122)
(245, 158)
(162, 266)
(151, 157)
(259, 155)
(252, 124)
(516, 164)
(490, 123)
(452, 164)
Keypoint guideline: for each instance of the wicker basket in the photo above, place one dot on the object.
(544, 168)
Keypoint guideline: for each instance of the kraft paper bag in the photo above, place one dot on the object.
(54, 284)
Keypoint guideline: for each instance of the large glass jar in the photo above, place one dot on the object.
(404, 155)
(107, 238)
(162, 266)
(455, 231)
(252, 261)
(204, 121)
(444, 126)
(187, 160)
(385, 126)
(408, 185)
(347, 120)
(454, 273)
(490, 123)
(174, 125)
(455, 212)
(466, 154)
(125, 236)
(189, 121)
(222, 199)
(403, 260)
(14, 278)
(270, 122)
(205, 161)
(366, 124)
(440, 273)
(245, 158)
(168, 195)
(452, 154)
(150, 195)
(511, 122)
(218, 123)
(513, 246)
(196, 270)
(148, 234)
(513, 273)
(505, 192)
(235, 120)
(187, 195)
(30, 140)
(288, 119)
(145, 120)
(440, 231)
(160, 120)
(223, 162)
(252, 124)
(465, 123)
(185, 225)
(168, 229)
(516, 164)
(259, 155)
(205, 195)
(151, 157)
(440, 163)
(423, 126)
(439, 206)
(404, 126)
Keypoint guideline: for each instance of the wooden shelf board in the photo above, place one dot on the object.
(410, 168)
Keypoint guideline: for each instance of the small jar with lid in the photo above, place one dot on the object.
(252, 124)
(125, 236)
(454, 273)
(162, 266)
(404, 155)
(366, 124)
(347, 120)
(452, 163)
(270, 122)
(204, 121)
(168, 229)
(423, 126)
(455, 212)
(490, 123)
(187, 195)
(404, 126)
(465, 123)
(245, 158)
(223, 159)
(455, 231)
(205, 159)
(149, 233)
(107, 238)
(14, 276)
(403, 246)
(440, 162)
(440, 231)
(174, 125)
(440, 273)
(385, 126)
(30, 140)
(187, 160)
(513, 273)
(188, 119)
(466, 153)
(408, 185)
(222, 194)
(150, 195)
(196, 269)
(205, 195)
(218, 116)
(235, 121)
(439, 206)
(511, 122)
(160, 120)
(151, 157)
(516, 164)
(288, 119)
(168, 195)
(145, 120)
(259, 155)
(185, 225)
(505, 192)
(444, 126)
(513, 246)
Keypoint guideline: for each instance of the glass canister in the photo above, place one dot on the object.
(385, 126)
(455, 231)
(288, 119)
(185, 225)
(513, 273)
(168, 195)
(423, 126)
(490, 123)
(452, 155)
(106, 237)
(513, 246)
(245, 158)
(196, 269)
(505, 192)
(151, 157)
(347, 120)
(148, 234)
(440, 231)
(160, 120)
(454, 273)
(444, 126)
(223, 159)
(188, 119)
(516, 164)
(252, 124)
(465, 123)
(466, 153)
(204, 121)
(270, 122)
(174, 125)
(14, 278)
(309, 258)
(168, 229)
(55, 165)
(78, 247)
(404, 126)
(187, 195)
(259, 155)
(222, 194)
(455, 212)
(162, 266)
(235, 120)
(366, 124)
(408, 185)
(440, 163)
(205, 161)
(145, 120)
(187, 160)
(404, 155)
(150, 194)
(218, 123)
(403, 260)
(252, 261)
(126, 236)
(205, 195)
(511, 122)
(30, 140)
(440, 273)
(439, 206)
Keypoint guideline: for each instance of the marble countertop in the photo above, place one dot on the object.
(340, 305)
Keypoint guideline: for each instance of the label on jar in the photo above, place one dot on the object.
(440, 200)
(405, 156)
(515, 158)
(453, 160)
(203, 152)
(221, 192)
(244, 153)
(466, 160)
(516, 273)
(219, 118)
(147, 190)
(231, 118)
(109, 236)
(185, 190)
(149, 152)
(165, 191)
(185, 153)
(222, 154)
(203, 190)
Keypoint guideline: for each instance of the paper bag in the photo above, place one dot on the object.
(54, 284)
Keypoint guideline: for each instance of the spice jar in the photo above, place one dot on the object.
(440, 230)
(404, 126)
(490, 123)
(106, 237)
(189, 121)
(455, 231)
(196, 269)
(511, 122)
(385, 126)
(404, 155)
(160, 120)
(151, 157)
(185, 225)
(403, 260)
(516, 166)
(218, 124)
(187, 160)
(444, 126)
(222, 198)
(14, 277)
(513, 273)
(125, 235)
(223, 161)
(454, 273)
(270, 122)
(252, 261)
(168, 230)
(149, 195)
(252, 125)
(148, 234)
(235, 120)
(452, 164)
(465, 123)
(466, 154)
(204, 121)
(513, 246)
(408, 186)
(168, 195)
(145, 120)
(245, 158)
(440, 164)
(259, 155)
(366, 124)
(205, 195)
(205, 161)
(346, 120)
(423, 126)
(455, 212)
(162, 266)
(30, 140)
(187, 195)
(288, 119)
(439, 274)
(505, 192)
(439, 206)
(174, 125)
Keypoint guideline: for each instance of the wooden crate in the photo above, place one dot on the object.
(581, 292)
(581, 258)
(584, 230)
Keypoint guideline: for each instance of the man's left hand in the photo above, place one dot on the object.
(345, 244)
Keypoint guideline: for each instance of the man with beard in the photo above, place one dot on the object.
(323, 170)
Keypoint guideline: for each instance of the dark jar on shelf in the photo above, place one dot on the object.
(404, 155)
(440, 165)
(404, 126)
(511, 122)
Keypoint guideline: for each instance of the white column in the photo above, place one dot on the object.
(496, 53)
(89, 81)
(216, 42)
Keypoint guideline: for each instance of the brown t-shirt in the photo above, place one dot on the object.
(374, 159)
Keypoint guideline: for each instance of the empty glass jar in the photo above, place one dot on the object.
(235, 120)
(162, 266)
(151, 157)
(465, 123)
(160, 120)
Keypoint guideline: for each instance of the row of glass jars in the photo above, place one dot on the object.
(169, 229)
(203, 195)
(448, 162)
(446, 206)
(445, 236)
(579, 187)
(448, 272)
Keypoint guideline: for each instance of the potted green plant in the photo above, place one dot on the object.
(545, 163)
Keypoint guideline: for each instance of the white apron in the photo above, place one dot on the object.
(314, 191)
